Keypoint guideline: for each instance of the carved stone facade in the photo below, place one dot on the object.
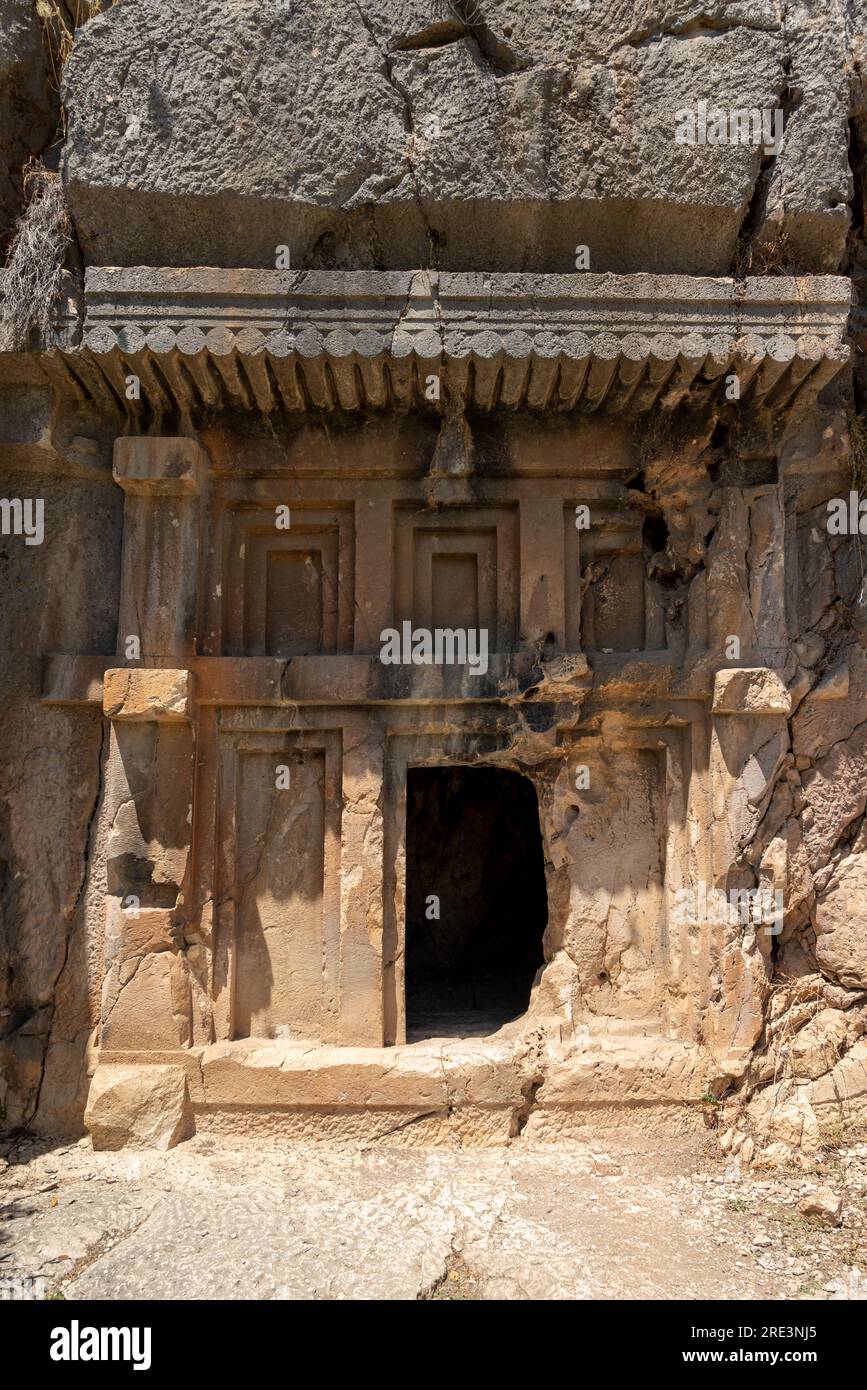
(254, 481)
(255, 931)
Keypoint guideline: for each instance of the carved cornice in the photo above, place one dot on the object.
(282, 340)
(338, 313)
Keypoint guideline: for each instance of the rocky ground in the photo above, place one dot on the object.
(635, 1218)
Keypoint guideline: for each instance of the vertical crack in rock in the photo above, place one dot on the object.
(406, 102)
(530, 1091)
(499, 56)
(773, 256)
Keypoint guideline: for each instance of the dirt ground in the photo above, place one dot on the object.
(627, 1217)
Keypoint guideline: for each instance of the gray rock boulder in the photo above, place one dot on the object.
(370, 134)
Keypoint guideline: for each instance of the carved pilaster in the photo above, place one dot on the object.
(159, 578)
(146, 992)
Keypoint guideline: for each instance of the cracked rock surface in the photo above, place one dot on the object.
(374, 134)
(259, 1222)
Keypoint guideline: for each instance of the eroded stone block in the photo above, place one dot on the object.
(841, 928)
(501, 96)
(147, 1004)
(750, 691)
(160, 696)
(137, 1107)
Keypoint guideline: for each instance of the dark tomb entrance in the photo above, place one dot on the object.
(476, 903)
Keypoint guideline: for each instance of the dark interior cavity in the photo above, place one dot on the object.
(474, 856)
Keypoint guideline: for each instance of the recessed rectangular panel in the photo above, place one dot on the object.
(606, 603)
(293, 602)
(287, 590)
(458, 570)
(279, 884)
(455, 591)
(617, 595)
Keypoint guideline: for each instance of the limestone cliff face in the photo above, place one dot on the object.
(708, 425)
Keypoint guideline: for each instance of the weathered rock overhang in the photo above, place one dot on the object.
(206, 340)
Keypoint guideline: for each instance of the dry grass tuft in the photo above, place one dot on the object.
(469, 12)
(34, 270)
(770, 257)
(60, 19)
(857, 449)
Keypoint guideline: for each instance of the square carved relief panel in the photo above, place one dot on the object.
(288, 592)
(458, 569)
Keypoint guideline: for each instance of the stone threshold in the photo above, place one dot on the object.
(474, 1091)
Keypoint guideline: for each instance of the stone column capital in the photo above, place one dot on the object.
(159, 696)
(158, 467)
(750, 690)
